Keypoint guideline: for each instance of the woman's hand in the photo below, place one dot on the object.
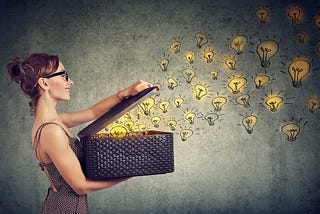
(133, 89)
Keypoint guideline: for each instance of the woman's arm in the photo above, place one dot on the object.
(79, 117)
(55, 144)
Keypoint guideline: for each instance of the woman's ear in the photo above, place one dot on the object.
(42, 83)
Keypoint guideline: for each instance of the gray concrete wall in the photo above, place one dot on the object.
(221, 168)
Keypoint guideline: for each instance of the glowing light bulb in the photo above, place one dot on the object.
(147, 105)
(185, 134)
(164, 64)
(213, 74)
(266, 50)
(243, 100)
(313, 104)
(302, 37)
(218, 102)
(230, 63)
(249, 122)
(261, 80)
(178, 102)
(172, 83)
(317, 21)
(236, 83)
(295, 14)
(274, 102)
(291, 130)
(201, 39)
(189, 56)
(118, 132)
(200, 91)
(239, 43)
(208, 55)
(143, 128)
(188, 74)
(172, 123)
(164, 105)
(155, 120)
(211, 118)
(129, 125)
(298, 69)
(262, 15)
(189, 116)
(175, 46)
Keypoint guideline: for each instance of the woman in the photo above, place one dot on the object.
(44, 79)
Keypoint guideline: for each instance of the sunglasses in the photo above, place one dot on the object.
(64, 73)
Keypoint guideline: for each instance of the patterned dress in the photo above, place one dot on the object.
(61, 198)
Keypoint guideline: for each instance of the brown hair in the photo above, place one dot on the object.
(26, 73)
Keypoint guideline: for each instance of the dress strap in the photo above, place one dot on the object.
(37, 153)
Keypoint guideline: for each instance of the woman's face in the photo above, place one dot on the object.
(60, 84)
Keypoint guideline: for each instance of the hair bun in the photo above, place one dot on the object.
(14, 69)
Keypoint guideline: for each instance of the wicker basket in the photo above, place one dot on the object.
(107, 157)
(149, 154)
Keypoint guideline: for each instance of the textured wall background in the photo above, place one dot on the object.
(219, 169)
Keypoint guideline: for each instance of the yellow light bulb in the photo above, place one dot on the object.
(213, 74)
(261, 80)
(178, 102)
(295, 14)
(208, 55)
(230, 63)
(298, 69)
(185, 134)
(313, 104)
(175, 46)
(190, 116)
(172, 123)
(155, 120)
(143, 128)
(188, 74)
(129, 125)
(147, 105)
(236, 83)
(291, 130)
(172, 83)
(243, 100)
(262, 15)
(266, 50)
(218, 102)
(249, 122)
(164, 105)
(201, 39)
(239, 43)
(164, 64)
(189, 56)
(200, 91)
(118, 132)
(274, 102)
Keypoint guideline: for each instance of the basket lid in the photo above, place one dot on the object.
(117, 111)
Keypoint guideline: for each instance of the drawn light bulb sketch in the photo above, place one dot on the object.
(188, 74)
(291, 130)
(129, 124)
(118, 132)
(218, 102)
(243, 100)
(210, 117)
(172, 83)
(200, 90)
(189, 116)
(313, 104)
(172, 123)
(201, 39)
(262, 15)
(178, 102)
(189, 56)
(164, 105)
(230, 62)
(214, 74)
(261, 80)
(236, 83)
(274, 102)
(175, 46)
(155, 120)
(298, 70)
(208, 55)
(239, 43)
(266, 50)
(295, 14)
(164, 64)
(147, 105)
(185, 134)
(249, 122)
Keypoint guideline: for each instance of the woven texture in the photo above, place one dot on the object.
(132, 156)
